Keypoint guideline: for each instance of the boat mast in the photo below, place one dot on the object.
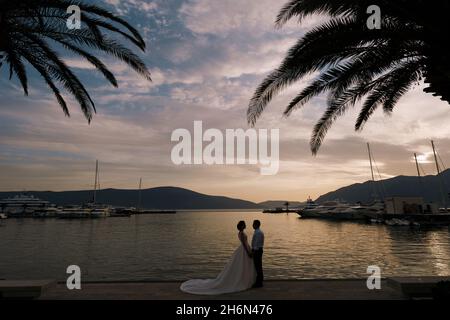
(375, 191)
(444, 201)
(422, 190)
(435, 158)
(95, 181)
(417, 165)
(140, 194)
(370, 159)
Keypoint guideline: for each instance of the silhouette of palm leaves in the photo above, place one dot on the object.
(29, 27)
(354, 62)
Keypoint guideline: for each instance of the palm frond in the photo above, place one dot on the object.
(17, 67)
(325, 46)
(93, 60)
(389, 91)
(42, 69)
(28, 27)
(59, 70)
(354, 62)
(303, 8)
(386, 88)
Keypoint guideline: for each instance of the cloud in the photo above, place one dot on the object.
(220, 18)
(124, 6)
(79, 64)
(206, 58)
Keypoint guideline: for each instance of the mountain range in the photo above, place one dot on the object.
(154, 198)
(431, 188)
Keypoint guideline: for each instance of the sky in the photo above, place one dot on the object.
(206, 58)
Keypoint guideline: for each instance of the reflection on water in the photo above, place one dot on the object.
(198, 244)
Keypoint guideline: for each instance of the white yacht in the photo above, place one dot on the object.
(84, 212)
(323, 210)
(358, 212)
(337, 210)
(49, 212)
(75, 212)
(22, 205)
(99, 212)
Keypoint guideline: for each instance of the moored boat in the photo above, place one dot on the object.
(50, 212)
(155, 212)
(326, 210)
(99, 212)
(75, 212)
(21, 206)
(279, 210)
(121, 212)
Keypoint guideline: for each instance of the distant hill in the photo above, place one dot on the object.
(278, 204)
(179, 198)
(427, 187)
(154, 198)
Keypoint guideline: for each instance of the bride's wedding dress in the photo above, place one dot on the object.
(239, 274)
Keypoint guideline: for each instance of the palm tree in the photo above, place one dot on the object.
(29, 28)
(355, 62)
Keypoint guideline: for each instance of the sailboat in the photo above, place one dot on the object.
(97, 210)
(338, 210)
(140, 210)
(89, 210)
(124, 211)
(419, 212)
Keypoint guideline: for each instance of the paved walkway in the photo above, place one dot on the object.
(276, 290)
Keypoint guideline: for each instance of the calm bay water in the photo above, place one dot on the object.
(198, 244)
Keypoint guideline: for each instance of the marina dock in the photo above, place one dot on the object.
(272, 290)
(394, 288)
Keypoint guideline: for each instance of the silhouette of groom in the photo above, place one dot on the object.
(257, 248)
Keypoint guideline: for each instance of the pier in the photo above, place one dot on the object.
(394, 288)
(272, 290)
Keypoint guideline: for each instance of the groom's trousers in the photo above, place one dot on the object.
(257, 259)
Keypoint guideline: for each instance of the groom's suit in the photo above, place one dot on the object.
(257, 248)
